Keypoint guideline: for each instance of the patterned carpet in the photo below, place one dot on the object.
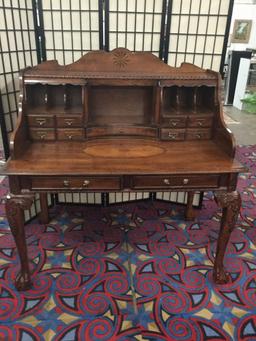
(132, 272)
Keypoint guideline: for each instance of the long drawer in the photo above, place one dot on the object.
(161, 181)
(116, 130)
(75, 182)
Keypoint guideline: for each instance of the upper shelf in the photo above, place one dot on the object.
(120, 63)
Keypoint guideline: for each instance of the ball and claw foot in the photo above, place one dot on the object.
(220, 276)
(23, 282)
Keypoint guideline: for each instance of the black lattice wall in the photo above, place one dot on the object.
(17, 50)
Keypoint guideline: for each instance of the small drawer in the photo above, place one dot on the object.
(174, 122)
(199, 121)
(76, 183)
(161, 182)
(198, 134)
(42, 134)
(172, 134)
(71, 134)
(41, 121)
(119, 130)
(69, 121)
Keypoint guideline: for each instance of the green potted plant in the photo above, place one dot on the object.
(250, 102)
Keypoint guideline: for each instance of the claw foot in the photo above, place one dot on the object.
(23, 281)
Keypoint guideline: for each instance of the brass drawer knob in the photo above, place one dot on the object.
(200, 123)
(41, 121)
(66, 183)
(172, 136)
(70, 137)
(174, 123)
(69, 122)
(198, 136)
(185, 181)
(167, 182)
(42, 136)
(86, 183)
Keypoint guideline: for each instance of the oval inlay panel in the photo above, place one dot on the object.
(122, 151)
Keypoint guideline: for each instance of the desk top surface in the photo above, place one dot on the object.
(122, 156)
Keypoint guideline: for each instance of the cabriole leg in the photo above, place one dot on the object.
(44, 214)
(189, 212)
(230, 203)
(15, 206)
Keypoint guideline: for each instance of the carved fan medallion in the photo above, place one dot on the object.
(121, 58)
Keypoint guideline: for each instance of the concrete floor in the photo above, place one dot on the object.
(242, 124)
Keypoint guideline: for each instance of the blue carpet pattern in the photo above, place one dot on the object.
(135, 271)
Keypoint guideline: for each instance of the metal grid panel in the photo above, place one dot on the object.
(127, 196)
(135, 24)
(17, 50)
(197, 31)
(94, 198)
(35, 209)
(71, 28)
(80, 198)
(178, 197)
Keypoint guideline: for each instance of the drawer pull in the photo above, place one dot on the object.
(167, 182)
(41, 121)
(174, 123)
(200, 123)
(66, 183)
(198, 136)
(172, 136)
(185, 181)
(70, 137)
(69, 122)
(86, 183)
(42, 136)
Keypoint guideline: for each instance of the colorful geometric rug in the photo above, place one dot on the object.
(135, 271)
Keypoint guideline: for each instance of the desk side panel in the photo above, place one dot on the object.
(19, 139)
(222, 135)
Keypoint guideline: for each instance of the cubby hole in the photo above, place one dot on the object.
(187, 100)
(170, 100)
(46, 98)
(125, 105)
(65, 98)
(56, 98)
(177, 99)
(36, 97)
(74, 99)
(206, 99)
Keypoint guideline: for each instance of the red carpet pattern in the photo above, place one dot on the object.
(132, 272)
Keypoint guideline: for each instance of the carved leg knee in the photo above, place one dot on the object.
(15, 205)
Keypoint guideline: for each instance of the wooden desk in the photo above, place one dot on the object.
(120, 121)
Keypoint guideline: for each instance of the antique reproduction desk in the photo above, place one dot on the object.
(120, 121)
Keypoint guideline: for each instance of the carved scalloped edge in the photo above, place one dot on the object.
(105, 64)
